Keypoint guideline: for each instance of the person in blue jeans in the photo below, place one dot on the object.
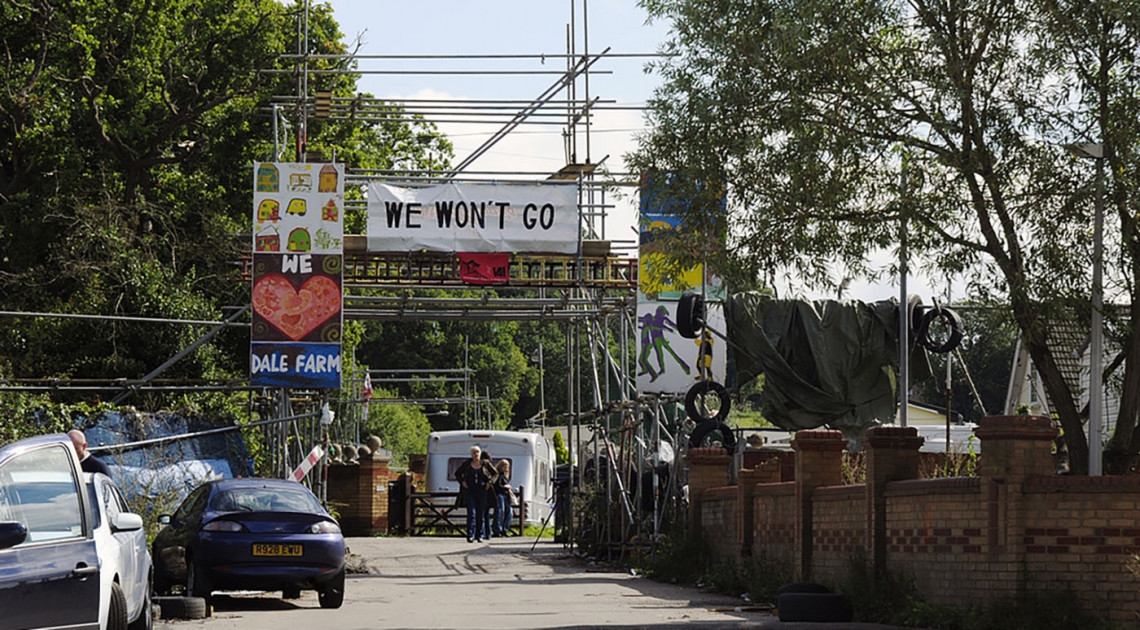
(502, 495)
(475, 479)
(492, 475)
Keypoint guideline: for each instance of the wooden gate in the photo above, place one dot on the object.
(436, 514)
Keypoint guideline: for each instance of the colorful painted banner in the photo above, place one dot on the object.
(484, 268)
(666, 361)
(298, 207)
(308, 365)
(474, 218)
(298, 246)
(297, 297)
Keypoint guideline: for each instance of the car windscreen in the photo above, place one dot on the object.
(264, 500)
(40, 490)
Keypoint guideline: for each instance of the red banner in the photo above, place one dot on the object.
(484, 268)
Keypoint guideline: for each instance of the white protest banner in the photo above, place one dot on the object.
(474, 218)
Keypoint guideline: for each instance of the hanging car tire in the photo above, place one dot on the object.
(953, 323)
(177, 607)
(813, 607)
(704, 429)
(690, 315)
(332, 595)
(700, 390)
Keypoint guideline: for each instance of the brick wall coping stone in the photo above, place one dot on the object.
(708, 455)
(819, 440)
(722, 492)
(840, 492)
(1016, 427)
(946, 485)
(775, 489)
(902, 438)
(1083, 483)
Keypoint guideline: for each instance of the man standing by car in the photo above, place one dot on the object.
(87, 461)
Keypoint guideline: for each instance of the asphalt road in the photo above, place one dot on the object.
(438, 583)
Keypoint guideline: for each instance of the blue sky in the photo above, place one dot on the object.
(496, 27)
(530, 27)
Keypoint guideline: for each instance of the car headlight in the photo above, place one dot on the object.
(223, 526)
(324, 527)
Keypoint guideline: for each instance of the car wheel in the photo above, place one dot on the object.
(146, 615)
(290, 593)
(332, 594)
(182, 607)
(161, 583)
(814, 607)
(196, 585)
(117, 610)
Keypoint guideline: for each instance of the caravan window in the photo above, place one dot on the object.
(454, 463)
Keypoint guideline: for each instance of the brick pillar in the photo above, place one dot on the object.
(372, 492)
(818, 463)
(892, 455)
(1013, 448)
(708, 468)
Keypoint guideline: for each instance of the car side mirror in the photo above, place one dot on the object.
(12, 533)
(127, 522)
(164, 519)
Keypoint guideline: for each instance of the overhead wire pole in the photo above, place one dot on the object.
(904, 332)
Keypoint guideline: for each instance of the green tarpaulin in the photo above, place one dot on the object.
(825, 362)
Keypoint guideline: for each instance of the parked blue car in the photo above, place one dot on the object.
(251, 534)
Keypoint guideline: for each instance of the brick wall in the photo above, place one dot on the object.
(774, 529)
(1015, 529)
(839, 531)
(718, 521)
(1088, 547)
(939, 536)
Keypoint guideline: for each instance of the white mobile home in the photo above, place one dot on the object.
(531, 456)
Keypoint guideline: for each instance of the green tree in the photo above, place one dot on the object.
(403, 429)
(126, 134)
(561, 453)
(812, 111)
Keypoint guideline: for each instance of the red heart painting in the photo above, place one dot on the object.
(295, 312)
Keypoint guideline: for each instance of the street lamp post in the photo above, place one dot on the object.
(1095, 151)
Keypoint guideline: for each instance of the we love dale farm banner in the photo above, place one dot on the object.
(298, 259)
(540, 218)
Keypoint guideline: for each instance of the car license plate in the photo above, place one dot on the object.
(266, 549)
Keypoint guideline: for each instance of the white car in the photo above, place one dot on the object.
(124, 559)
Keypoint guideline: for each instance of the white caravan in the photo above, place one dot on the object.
(531, 456)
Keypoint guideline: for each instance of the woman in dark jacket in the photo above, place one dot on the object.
(475, 481)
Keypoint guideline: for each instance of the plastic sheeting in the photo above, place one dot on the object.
(173, 467)
(825, 362)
